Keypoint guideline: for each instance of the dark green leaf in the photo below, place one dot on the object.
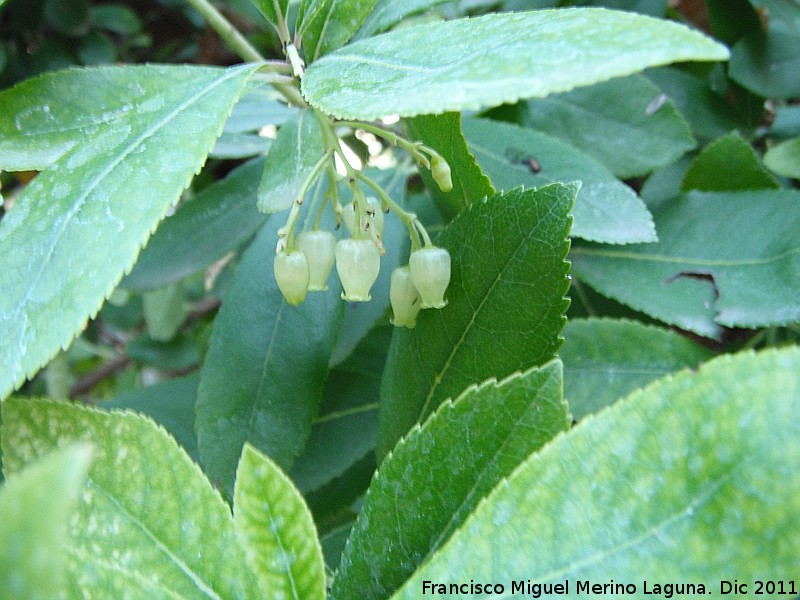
(727, 164)
(710, 114)
(767, 64)
(219, 219)
(436, 476)
(164, 311)
(684, 482)
(146, 517)
(439, 67)
(270, 8)
(116, 18)
(70, 17)
(170, 404)
(713, 266)
(35, 507)
(325, 25)
(732, 19)
(443, 134)
(240, 145)
(123, 153)
(388, 13)
(607, 359)
(606, 209)
(787, 121)
(506, 299)
(290, 161)
(625, 124)
(263, 375)
(257, 108)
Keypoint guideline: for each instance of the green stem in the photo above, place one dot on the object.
(409, 219)
(239, 44)
(287, 230)
(415, 149)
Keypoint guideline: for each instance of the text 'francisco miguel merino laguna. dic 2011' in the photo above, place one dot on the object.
(526, 587)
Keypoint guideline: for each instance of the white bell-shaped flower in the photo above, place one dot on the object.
(374, 216)
(358, 263)
(319, 248)
(430, 272)
(292, 276)
(404, 297)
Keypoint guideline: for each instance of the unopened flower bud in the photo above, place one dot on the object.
(440, 171)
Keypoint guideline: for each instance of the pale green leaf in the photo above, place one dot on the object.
(605, 360)
(219, 219)
(443, 134)
(258, 107)
(388, 13)
(147, 520)
(35, 507)
(605, 210)
(624, 124)
(505, 299)
(728, 259)
(290, 161)
(490, 60)
(684, 482)
(125, 152)
(273, 10)
(267, 362)
(276, 530)
(240, 145)
(784, 158)
(437, 475)
(325, 25)
(164, 311)
(727, 164)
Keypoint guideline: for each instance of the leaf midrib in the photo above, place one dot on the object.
(702, 262)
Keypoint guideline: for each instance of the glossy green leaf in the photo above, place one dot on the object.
(388, 13)
(727, 164)
(437, 475)
(439, 67)
(263, 375)
(625, 124)
(507, 253)
(257, 108)
(605, 360)
(146, 517)
(276, 530)
(290, 161)
(605, 210)
(767, 64)
(669, 486)
(325, 25)
(169, 403)
(124, 154)
(35, 507)
(270, 9)
(219, 219)
(443, 134)
(713, 266)
(710, 114)
(784, 158)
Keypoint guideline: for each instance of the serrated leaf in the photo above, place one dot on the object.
(219, 219)
(727, 164)
(35, 507)
(325, 25)
(388, 13)
(146, 518)
(263, 375)
(120, 164)
(270, 8)
(290, 161)
(276, 530)
(439, 67)
(506, 298)
(437, 475)
(653, 483)
(784, 158)
(169, 403)
(709, 113)
(624, 124)
(605, 360)
(443, 133)
(605, 210)
(728, 259)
